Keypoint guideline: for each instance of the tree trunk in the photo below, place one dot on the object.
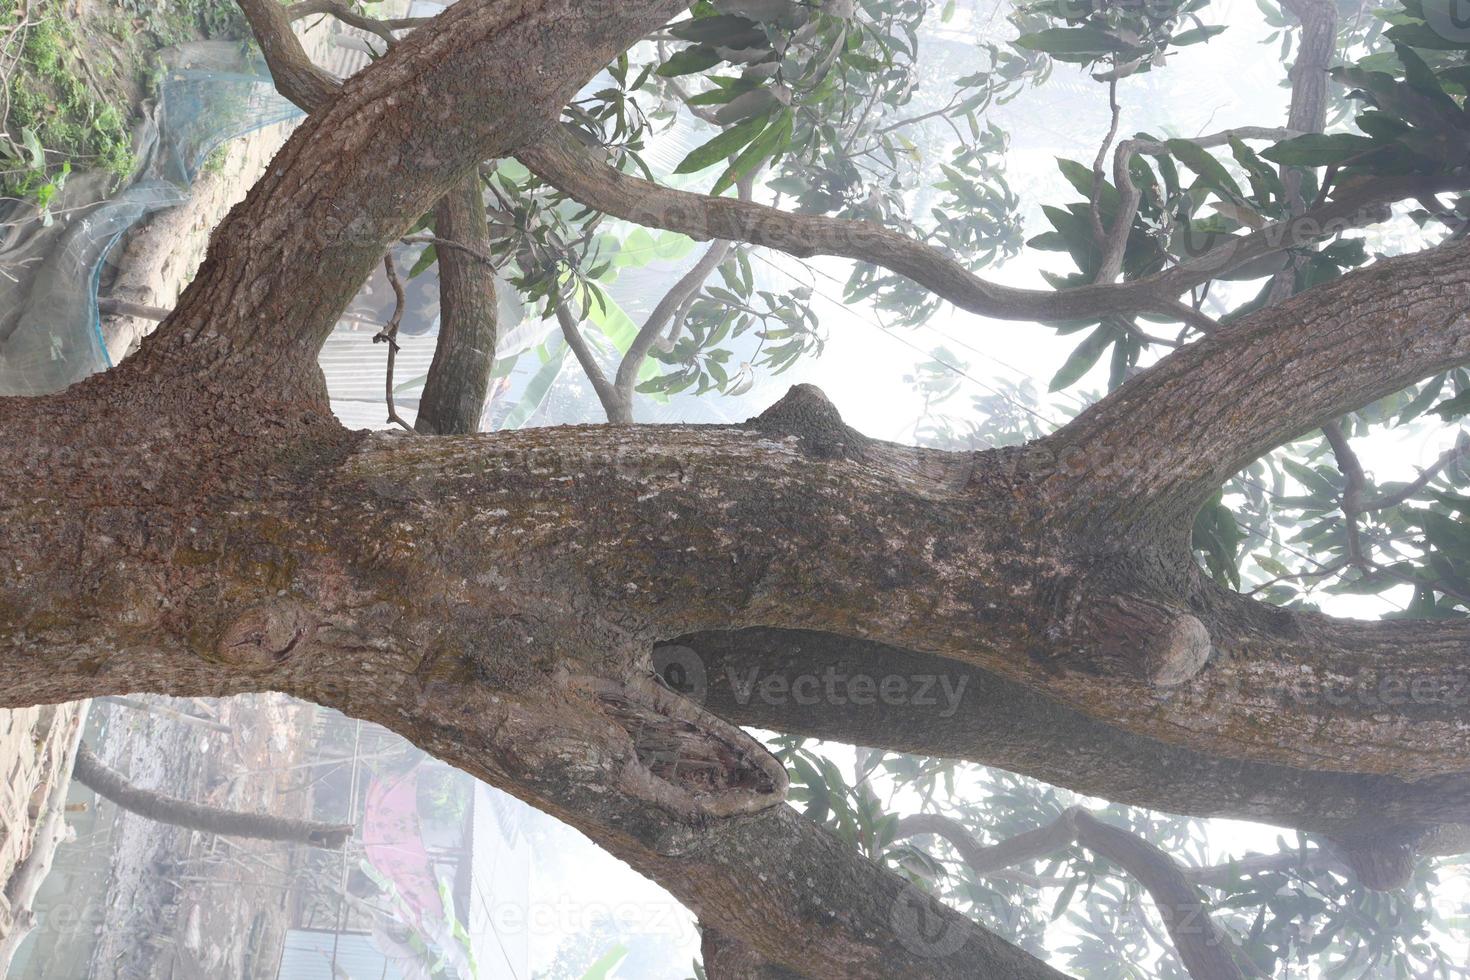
(195, 523)
(459, 377)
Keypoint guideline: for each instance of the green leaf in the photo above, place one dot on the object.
(1455, 407)
(1210, 170)
(1196, 35)
(1073, 41)
(726, 30)
(769, 143)
(1318, 149)
(537, 389)
(723, 146)
(427, 258)
(690, 61)
(1083, 358)
(1315, 482)
(606, 963)
(1424, 399)
(33, 146)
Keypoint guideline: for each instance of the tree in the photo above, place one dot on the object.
(530, 606)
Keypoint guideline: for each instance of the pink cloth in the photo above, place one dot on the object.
(394, 844)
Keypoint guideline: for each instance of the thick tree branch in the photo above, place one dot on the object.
(453, 399)
(1201, 945)
(827, 686)
(500, 70)
(1244, 390)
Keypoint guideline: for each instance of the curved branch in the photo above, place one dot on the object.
(296, 76)
(458, 382)
(340, 9)
(761, 678)
(267, 296)
(562, 161)
(664, 313)
(1155, 449)
(109, 784)
(1200, 943)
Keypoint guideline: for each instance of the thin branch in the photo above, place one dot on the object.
(389, 336)
(109, 784)
(429, 238)
(108, 306)
(1201, 944)
(666, 313)
(563, 162)
(1099, 236)
(613, 405)
(344, 12)
(1460, 450)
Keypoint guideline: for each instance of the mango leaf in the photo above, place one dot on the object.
(1072, 41)
(1083, 358)
(1196, 35)
(538, 387)
(723, 146)
(769, 143)
(1455, 407)
(726, 30)
(1317, 149)
(690, 61)
(1210, 170)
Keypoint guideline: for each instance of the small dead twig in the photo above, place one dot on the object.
(389, 334)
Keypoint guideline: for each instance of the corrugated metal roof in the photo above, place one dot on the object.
(309, 956)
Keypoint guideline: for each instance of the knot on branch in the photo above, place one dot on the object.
(805, 413)
(264, 636)
(698, 763)
(1132, 635)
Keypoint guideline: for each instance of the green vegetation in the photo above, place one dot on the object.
(75, 78)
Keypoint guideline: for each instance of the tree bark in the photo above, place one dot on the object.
(195, 523)
(109, 784)
(562, 161)
(777, 680)
(453, 400)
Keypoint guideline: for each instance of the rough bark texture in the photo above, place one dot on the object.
(195, 523)
(109, 784)
(459, 377)
(453, 399)
(778, 680)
